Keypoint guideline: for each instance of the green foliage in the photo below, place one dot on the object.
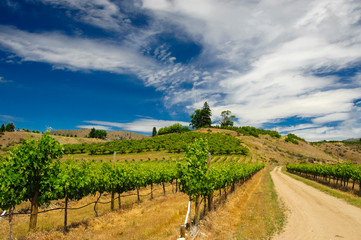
(198, 178)
(202, 117)
(154, 132)
(193, 174)
(10, 127)
(251, 131)
(343, 171)
(28, 173)
(218, 144)
(293, 138)
(2, 128)
(175, 128)
(227, 119)
(97, 133)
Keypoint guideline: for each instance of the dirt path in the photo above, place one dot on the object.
(313, 214)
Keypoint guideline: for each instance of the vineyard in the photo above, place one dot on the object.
(33, 172)
(176, 143)
(337, 174)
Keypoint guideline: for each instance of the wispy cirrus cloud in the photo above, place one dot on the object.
(100, 13)
(9, 118)
(2, 80)
(275, 59)
(263, 60)
(98, 127)
(144, 125)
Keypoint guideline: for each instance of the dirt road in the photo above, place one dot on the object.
(313, 214)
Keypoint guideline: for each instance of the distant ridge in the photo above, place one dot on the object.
(352, 140)
(113, 135)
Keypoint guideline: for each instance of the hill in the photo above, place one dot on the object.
(113, 135)
(278, 151)
(9, 139)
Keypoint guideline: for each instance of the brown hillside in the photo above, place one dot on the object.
(279, 151)
(9, 139)
(349, 152)
(114, 135)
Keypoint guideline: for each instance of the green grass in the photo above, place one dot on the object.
(265, 215)
(348, 197)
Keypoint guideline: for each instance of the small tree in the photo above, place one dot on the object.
(154, 133)
(227, 119)
(2, 128)
(10, 127)
(97, 133)
(202, 117)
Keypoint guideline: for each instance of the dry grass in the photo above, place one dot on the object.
(156, 219)
(224, 222)
(251, 212)
(129, 220)
(264, 215)
(9, 139)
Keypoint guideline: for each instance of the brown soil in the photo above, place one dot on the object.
(313, 214)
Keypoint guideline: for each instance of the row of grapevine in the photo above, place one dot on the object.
(199, 178)
(218, 144)
(32, 172)
(251, 131)
(340, 172)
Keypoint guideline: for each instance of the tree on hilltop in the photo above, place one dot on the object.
(227, 119)
(10, 127)
(97, 133)
(202, 117)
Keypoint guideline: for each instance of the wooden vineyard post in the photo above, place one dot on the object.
(210, 202)
(66, 214)
(183, 231)
(197, 210)
(113, 193)
(151, 191)
(11, 223)
(112, 201)
(119, 202)
(163, 188)
(205, 205)
(176, 185)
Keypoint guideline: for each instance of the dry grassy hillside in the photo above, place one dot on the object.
(9, 139)
(280, 151)
(114, 135)
(349, 152)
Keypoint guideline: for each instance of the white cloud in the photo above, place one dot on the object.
(271, 57)
(331, 118)
(98, 127)
(9, 118)
(101, 13)
(263, 60)
(74, 53)
(2, 80)
(144, 125)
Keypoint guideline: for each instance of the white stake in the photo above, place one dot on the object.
(2, 214)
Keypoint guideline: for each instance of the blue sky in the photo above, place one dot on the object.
(289, 65)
